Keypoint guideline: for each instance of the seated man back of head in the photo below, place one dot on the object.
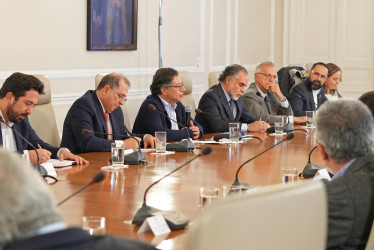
(29, 218)
(345, 135)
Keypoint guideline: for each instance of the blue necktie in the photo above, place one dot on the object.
(267, 103)
(232, 103)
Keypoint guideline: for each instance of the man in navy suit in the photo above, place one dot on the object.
(223, 104)
(309, 95)
(167, 92)
(30, 219)
(18, 95)
(100, 111)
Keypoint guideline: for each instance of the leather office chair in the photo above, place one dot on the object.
(213, 78)
(187, 95)
(370, 243)
(43, 118)
(279, 217)
(125, 110)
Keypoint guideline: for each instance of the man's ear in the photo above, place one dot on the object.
(9, 97)
(106, 89)
(163, 90)
(322, 151)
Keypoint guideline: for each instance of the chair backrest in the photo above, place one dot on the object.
(370, 243)
(128, 122)
(43, 119)
(290, 76)
(187, 96)
(279, 217)
(213, 78)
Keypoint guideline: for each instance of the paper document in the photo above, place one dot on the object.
(58, 164)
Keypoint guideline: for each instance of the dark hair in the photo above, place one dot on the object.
(368, 99)
(231, 71)
(162, 77)
(19, 83)
(333, 68)
(112, 80)
(319, 63)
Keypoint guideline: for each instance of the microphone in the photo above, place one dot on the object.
(38, 167)
(188, 115)
(288, 137)
(174, 219)
(182, 146)
(97, 178)
(311, 169)
(135, 158)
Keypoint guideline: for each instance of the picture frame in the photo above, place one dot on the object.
(112, 25)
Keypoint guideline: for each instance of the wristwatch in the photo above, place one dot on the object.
(249, 128)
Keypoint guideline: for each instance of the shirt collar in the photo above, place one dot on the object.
(166, 104)
(227, 95)
(102, 106)
(343, 169)
(262, 93)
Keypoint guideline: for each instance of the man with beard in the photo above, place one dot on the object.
(18, 95)
(309, 95)
(222, 103)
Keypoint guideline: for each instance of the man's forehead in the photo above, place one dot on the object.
(320, 68)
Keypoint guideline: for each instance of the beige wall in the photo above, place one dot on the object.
(49, 37)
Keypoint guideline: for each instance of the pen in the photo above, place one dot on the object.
(39, 146)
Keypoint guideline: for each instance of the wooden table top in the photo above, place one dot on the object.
(120, 195)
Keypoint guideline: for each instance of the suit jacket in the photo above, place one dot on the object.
(218, 113)
(76, 238)
(256, 105)
(148, 121)
(306, 100)
(351, 205)
(24, 128)
(87, 113)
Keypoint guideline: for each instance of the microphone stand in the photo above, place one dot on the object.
(244, 185)
(183, 145)
(174, 219)
(311, 169)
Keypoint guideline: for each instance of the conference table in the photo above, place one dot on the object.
(120, 194)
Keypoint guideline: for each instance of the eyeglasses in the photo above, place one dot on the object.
(176, 86)
(316, 74)
(268, 75)
(122, 97)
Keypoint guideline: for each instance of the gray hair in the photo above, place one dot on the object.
(231, 71)
(345, 129)
(26, 201)
(112, 80)
(259, 66)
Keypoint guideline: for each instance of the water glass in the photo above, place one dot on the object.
(94, 225)
(160, 137)
(234, 130)
(279, 125)
(289, 175)
(118, 153)
(229, 190)
(208, 195)
(310, 118)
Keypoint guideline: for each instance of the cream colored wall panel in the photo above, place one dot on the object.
(181, 32)
(220, 32)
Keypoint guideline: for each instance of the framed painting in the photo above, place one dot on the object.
(112, 24)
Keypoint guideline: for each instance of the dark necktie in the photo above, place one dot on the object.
(232, 103)
(267, 103)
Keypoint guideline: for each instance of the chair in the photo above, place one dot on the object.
(290, 76)
(43, 118)
(213, 78)
(370, 243)
(278, 217)
(128, 122)
(187, 95)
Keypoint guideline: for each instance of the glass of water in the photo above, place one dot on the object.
(310, 118)
(118, 153)
(234, 129)
(279, 125)
(289, 175)
(208, 195)
(94, 225)
(160, 137)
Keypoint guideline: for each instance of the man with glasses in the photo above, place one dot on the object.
(264, 99)
(222, 104)
(309, 95)
(167, 92)
(99, 111)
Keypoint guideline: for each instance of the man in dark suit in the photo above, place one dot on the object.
(30, 218)
(18, 95)
(167, 92)
(264, 99)
(345, 135)
(100, 111)
(368, 99)
(223, 104)
(309, 95)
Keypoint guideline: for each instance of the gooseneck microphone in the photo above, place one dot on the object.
(135, 158)
(311, 169)
(174, 219)
(288, 137)
(38, 167)
(97, 178)
(182, 146)
(188, 116)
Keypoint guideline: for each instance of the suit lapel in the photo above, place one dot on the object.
(223, 100)
(17, 138)
(100, 112)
